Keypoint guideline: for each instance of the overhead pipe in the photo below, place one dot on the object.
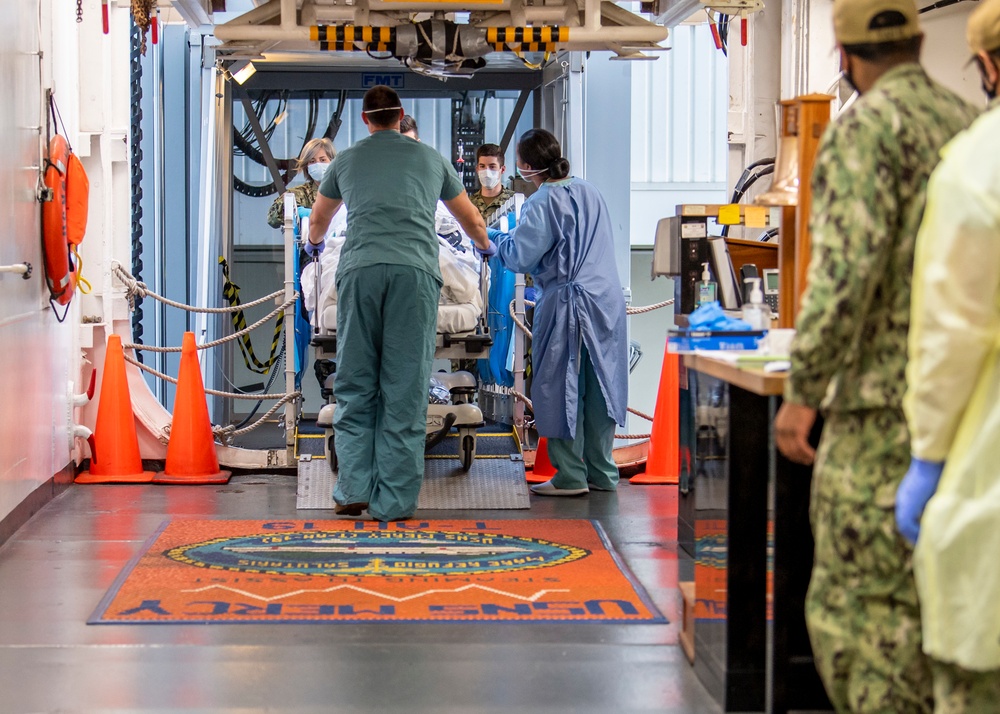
(579, 36)
(288, 19)
(592, 15)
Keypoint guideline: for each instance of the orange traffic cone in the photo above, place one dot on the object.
(114, 456)
(663, 462)
(191, 456)
(543, 469)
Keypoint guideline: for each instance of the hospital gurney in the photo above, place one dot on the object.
(462, 333)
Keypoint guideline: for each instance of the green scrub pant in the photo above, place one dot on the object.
(386, 320)
(588, 460)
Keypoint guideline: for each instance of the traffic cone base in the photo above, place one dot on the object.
(91, 477)
(191, 457)
(114, 454)
(218, 477)
(542, 470)
(663, 463)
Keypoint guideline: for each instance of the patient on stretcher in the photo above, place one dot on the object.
(460, 304)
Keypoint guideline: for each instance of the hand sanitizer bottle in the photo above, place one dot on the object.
(706, 291)
(756, 313)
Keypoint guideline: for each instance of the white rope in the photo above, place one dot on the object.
(228, 395)
(628, 311)
(648, 308)
(640, 414)
(227, 433)
(133, 287)
(527, 401)
(517, 322)
(523, 398)
(228, 338)
(631, 311)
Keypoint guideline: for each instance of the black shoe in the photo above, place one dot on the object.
(350, 509)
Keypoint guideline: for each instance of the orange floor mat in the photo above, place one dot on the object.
(218, 571)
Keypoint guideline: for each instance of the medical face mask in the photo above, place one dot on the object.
(489, 178)
(991, 92)
(526, 175)
(317, 171)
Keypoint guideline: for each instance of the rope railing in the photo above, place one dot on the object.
(648, 308)
(222, 340)
(631, 311)
(224, 434)
(624, 437)
(135, 288)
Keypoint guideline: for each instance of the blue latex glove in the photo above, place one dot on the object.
(314, 249)
(711, 317)
(492, 250)
(915, 490)
(493, 233)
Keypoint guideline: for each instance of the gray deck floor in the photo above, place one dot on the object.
(56, 568)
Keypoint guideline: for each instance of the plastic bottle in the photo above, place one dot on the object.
(756, 312)
(706, 291)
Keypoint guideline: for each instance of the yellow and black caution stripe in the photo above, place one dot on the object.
(231, 291)
(351, 38)
(530, 39)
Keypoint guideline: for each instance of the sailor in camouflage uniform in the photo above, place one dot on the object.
(315, 157)
(490, 169)
(849, 357)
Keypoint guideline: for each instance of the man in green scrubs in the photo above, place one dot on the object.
(388, 286)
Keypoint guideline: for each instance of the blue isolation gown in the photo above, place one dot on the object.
(565, 241)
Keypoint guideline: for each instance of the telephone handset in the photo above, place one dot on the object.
(749, 270)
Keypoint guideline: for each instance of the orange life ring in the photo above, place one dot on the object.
(59, 271)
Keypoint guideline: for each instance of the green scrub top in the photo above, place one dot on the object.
(390, 184)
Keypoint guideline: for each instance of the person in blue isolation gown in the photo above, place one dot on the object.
(564, 240)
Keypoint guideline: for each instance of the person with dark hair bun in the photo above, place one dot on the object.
(564, 239)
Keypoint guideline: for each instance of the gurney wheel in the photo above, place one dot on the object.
(331, 454)
(468, 451)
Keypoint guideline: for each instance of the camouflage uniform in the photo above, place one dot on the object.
(487, 206)
(305, 196)
(961, 691)
(848, 360)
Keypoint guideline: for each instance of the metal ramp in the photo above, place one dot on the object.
(490, 484)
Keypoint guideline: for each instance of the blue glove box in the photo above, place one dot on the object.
(681, 341)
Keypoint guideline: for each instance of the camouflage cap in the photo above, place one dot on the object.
(857, 22)
(983, 30)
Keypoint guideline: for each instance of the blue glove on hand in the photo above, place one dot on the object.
(493, 233)
(314, 249)
(492, 250)
(915, 490)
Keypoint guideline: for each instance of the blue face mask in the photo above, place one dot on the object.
(317, 171)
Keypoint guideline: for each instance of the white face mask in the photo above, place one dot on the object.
(489, 178)
(317, 171)
(526, 175)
